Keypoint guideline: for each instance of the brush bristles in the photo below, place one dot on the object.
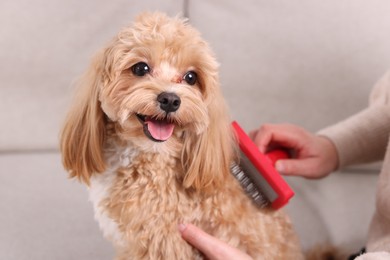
(250, 189)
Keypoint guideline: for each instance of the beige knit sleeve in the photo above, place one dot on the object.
(363, 137)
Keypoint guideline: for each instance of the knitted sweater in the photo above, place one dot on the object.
(364, 137)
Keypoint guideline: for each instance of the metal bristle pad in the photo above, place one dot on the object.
(248, 186)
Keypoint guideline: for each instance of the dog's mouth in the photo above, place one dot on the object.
(157, 130)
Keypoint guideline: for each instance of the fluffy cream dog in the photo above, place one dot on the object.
(149, 133)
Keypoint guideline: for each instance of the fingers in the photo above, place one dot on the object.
(310, 168)
(285, 135)
(211, 247)
(291, 167)
(313, 156)
(261, 139)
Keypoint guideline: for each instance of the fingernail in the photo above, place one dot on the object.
(279, 166)
(181, 227)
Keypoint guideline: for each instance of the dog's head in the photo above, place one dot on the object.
(157, 82)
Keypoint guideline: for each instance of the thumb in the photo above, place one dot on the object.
(303, 167)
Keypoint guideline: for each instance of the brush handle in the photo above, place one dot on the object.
(276, 154)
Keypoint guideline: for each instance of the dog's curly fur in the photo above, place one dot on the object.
(151, 164)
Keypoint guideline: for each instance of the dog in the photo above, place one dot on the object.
(149, 133)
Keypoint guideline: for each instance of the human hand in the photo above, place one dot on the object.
(210, 246)
(313, 156)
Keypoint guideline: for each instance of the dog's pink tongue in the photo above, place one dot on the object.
(160, 130)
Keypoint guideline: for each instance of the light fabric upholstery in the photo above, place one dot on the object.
(308, 62)
(44, 215)
(45, 46)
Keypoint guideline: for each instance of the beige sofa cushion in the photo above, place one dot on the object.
(44, 47)
(44, 215)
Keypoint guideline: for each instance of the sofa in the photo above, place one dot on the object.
(310, 63)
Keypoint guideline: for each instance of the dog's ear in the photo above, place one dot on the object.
(207, 157)
(83, 133)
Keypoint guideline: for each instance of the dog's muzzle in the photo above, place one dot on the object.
(160, 130)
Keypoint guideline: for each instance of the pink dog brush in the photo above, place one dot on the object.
(257, 174)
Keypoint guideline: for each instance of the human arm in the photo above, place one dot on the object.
(363, 137)
(360, 138)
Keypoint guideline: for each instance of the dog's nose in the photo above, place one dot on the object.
(169, 102)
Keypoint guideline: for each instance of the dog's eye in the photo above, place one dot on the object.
(140, 69)
(190, 77)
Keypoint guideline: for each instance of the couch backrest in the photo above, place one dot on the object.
(306, 62)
